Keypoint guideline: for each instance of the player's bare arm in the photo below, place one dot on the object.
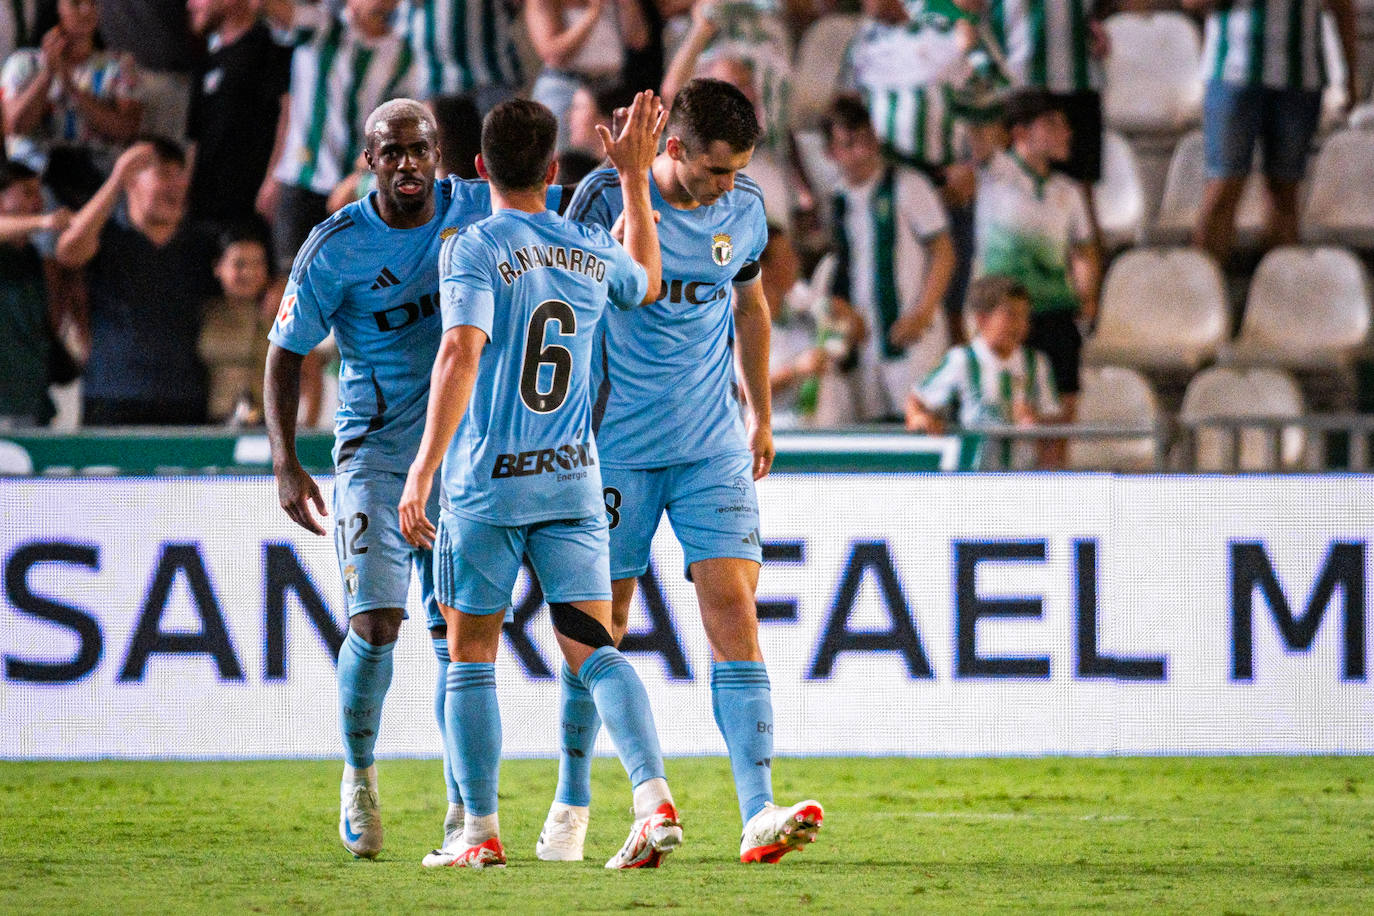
(751, 336)
(281, 394)
(451, 382)
(632, 153)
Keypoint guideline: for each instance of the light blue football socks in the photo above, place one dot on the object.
(743, 706)
(580, 725)
(472, 733)
(440, 701)
(364, 675)
(623, 705)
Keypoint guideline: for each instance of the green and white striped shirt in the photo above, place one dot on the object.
(1274, 43)
(337, 77)
(1046, 42)
(461, 45)
(759, 38)
(906, 75)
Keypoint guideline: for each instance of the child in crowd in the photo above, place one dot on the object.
(995, 379)
(233, 337)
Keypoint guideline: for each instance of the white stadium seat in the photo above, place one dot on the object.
(1120, 194)
(1162, 309)
(1307, 309)
(1340, 207)
(1226, 392)
(1154, 73)
(1182, 198)
(819, 59)
(1115, 396)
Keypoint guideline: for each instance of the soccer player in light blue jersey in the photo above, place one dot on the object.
(370, 275)
(511, 421)
(671, 367)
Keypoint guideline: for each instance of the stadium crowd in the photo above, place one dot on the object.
(164, 160)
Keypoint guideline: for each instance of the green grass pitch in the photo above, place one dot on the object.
(1164, 835)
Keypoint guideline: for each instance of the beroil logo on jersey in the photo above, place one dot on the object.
(544, 461)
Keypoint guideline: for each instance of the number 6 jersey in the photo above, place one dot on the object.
(536, 285)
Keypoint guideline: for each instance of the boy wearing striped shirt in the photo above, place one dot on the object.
(346, 63)
(1265, 72)
(994, 379)
(895, 260)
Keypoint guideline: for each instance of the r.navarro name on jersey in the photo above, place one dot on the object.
(533, 256)
(544, 460)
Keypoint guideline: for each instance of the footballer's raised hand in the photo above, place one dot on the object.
(297, 492)
(632, 151)
(416, 527)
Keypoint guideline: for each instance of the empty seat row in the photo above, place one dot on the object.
(1165, 309)
(1115, 396)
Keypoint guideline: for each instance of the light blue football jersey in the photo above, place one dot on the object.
(664, 375)
(537, 285)
(377, 289)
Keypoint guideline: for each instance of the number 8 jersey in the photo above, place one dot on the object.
(536, 285)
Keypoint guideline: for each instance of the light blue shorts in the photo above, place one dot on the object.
(476, 563)
(374, 559)
(711, 505)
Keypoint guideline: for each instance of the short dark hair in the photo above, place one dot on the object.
(707, 110)
(460, 132)
(846, 111)
(1025, 105)
(610, 95)
(987, 293)
(11, 173)
(518, 138)
(165, 150)
(243, 233)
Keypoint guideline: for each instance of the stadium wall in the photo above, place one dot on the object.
(901, 614)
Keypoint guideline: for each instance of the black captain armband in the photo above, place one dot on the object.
(578, 626)
(747, 273)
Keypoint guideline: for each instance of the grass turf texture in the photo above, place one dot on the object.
(1216, 835)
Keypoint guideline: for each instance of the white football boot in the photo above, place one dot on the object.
(360, 812)
(651, 838)
(774, 831)
(453, 838)
(563, 834)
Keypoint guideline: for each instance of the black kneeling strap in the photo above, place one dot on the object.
(577, 626)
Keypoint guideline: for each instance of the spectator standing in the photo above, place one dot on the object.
(465, 46)
(895, 263)
(750, 49)
(1264, 68)
(345, 63)
(238, 98)
(27, 322)
(1058, 46)
(995, 379)
(580, 41)
(149, 273)
(1033, 226)
(156, 33)
(70, 107)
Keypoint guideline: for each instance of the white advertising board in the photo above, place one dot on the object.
(901, 614)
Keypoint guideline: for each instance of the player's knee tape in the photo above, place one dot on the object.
(578, 626)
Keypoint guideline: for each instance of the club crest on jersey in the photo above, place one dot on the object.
(722, 248)
(351, 579)
(448, 232)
